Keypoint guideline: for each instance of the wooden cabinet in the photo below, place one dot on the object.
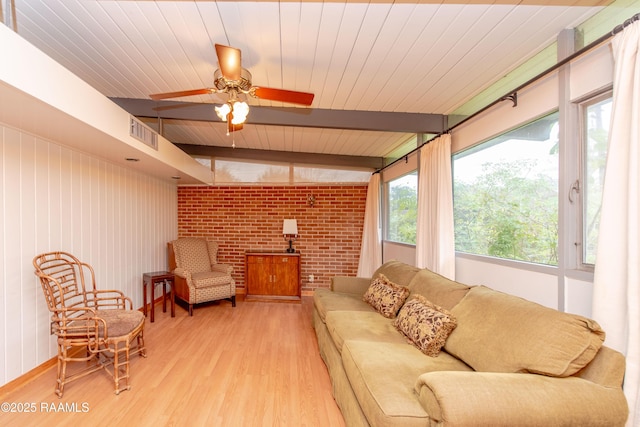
(272, 276)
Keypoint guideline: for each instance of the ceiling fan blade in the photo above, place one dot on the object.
(229, 60)
(181, 93)
(283, 95)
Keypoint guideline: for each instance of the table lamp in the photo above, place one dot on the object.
(290, 232)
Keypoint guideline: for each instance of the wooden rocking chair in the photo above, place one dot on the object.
(93, 326)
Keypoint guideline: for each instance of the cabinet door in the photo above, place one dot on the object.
(259, 277)
(286, 272)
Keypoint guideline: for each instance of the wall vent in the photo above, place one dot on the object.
(143, 133)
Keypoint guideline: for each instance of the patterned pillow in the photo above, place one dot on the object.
(385, 296)
(425, 324)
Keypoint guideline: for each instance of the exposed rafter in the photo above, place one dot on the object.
(292, 116)
(284, 156)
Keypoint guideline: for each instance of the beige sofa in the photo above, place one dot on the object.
(508, 362)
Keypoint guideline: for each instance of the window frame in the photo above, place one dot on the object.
(492, 141)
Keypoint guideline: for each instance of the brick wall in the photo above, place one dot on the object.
(242, 218)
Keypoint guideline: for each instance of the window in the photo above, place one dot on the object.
(402, 202)
(246, 171)
(596, 116)
(329, 175)
(506, 195)
(204, 161)
(228, 171)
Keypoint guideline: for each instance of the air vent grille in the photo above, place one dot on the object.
(143, 133)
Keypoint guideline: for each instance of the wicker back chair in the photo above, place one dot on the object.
(92, 326)
(198, 275)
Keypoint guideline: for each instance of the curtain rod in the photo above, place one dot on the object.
(513, 94)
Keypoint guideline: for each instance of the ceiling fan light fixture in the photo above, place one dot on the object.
(222, 111)
(238, 110)
(234, 80)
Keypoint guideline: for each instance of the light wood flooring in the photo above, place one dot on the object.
(253, 365)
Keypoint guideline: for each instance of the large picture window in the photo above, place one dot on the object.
(506, 195)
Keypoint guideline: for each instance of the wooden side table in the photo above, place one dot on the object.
(154, 278)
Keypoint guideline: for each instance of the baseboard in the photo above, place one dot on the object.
(31, 375)
(26, 378)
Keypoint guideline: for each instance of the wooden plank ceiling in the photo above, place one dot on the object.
(421, 57)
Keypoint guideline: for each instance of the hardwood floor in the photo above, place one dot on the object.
(253, 365)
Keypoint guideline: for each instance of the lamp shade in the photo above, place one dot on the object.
(290, 227)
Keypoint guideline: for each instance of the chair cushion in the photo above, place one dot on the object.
(192, 254)
(210, 278)
(121, 322)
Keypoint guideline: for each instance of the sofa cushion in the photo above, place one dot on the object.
(425, 324)
(437, 289)
(383, 378)
(361, 325)
(498, 332)
(325, 300)
(385, 296)
(396, 271)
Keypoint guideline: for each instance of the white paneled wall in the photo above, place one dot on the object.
(53, 198)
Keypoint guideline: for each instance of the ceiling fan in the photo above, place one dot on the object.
(232, 79)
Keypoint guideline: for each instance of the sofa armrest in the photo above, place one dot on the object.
(503, 399)
(350, 285)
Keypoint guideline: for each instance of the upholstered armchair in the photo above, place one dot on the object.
(199, 277)
(94, 326)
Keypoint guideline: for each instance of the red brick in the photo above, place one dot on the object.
(250, 218)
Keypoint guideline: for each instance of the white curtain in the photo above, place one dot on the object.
(435, 247)
(371, 249)
(616, 294)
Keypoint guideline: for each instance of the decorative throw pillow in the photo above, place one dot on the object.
(425, 324)
(385, 296)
